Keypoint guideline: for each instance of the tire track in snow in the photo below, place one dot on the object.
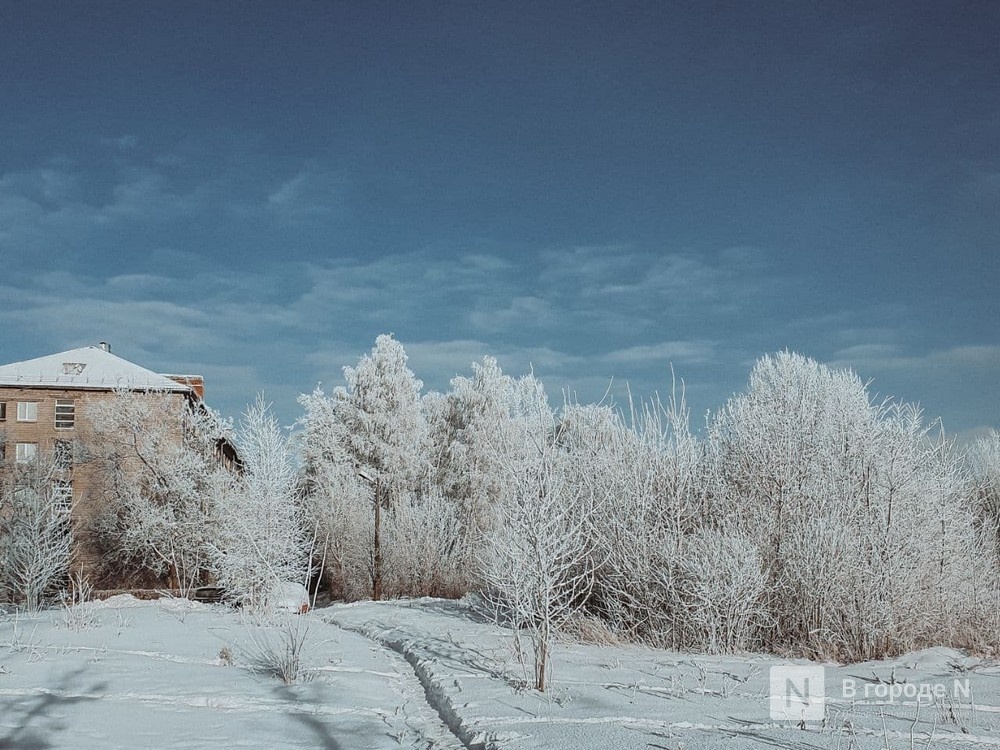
(434, 696)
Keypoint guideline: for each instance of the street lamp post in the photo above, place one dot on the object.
(377, 547)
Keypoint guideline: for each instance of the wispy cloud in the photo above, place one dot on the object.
(519, 313)
(685, 352)
(968, 358)
(310, 193)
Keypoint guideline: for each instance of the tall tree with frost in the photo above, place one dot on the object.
(485, 422)
(262, 542)
(385, 430)
(371, 439)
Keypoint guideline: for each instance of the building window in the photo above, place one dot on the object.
(3, 411)
(62, 497)
(27, 411)
(63, 454)
(26, 452)
(65, 414)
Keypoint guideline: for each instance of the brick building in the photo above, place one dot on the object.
(43, 407)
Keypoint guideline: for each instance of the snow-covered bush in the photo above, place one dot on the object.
(720, 585)
(157, 477)
(855, 504)
(983, 624)
(35, 531)
(423, 535)
(535, 562)
(336, 502)
(984, 464)
(644, 475)
(261, 541)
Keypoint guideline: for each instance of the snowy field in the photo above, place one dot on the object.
(432, 674)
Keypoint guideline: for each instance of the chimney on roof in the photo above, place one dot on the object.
(195, 382)
(104, 346)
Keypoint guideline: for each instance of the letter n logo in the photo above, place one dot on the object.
(798, 693)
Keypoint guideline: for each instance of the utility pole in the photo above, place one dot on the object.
(376, 481)
(377, 577)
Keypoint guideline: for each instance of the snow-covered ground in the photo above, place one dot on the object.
(432, 674)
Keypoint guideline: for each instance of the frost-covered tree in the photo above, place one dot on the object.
(484, 424)
(384, 428)
(35, 531)
(385, 433)
(854, 503)
(261, 541)
(535, 560)
(157, 475)
(369, 443)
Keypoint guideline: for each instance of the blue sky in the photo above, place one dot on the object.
(255, 191)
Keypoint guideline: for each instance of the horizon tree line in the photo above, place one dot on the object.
(809, 518)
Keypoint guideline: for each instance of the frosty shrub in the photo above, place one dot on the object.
(535, 561)
(424, 559)
(339, 506)
(275, 649)
(158, 478)
(984, 506)
(644, 477)
(261, 540)
(856, 506)
(984, 465)
(35, 532)
(335, 500)
(76, 614)
(720, 584)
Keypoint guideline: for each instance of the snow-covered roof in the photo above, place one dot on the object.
(89, 367)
